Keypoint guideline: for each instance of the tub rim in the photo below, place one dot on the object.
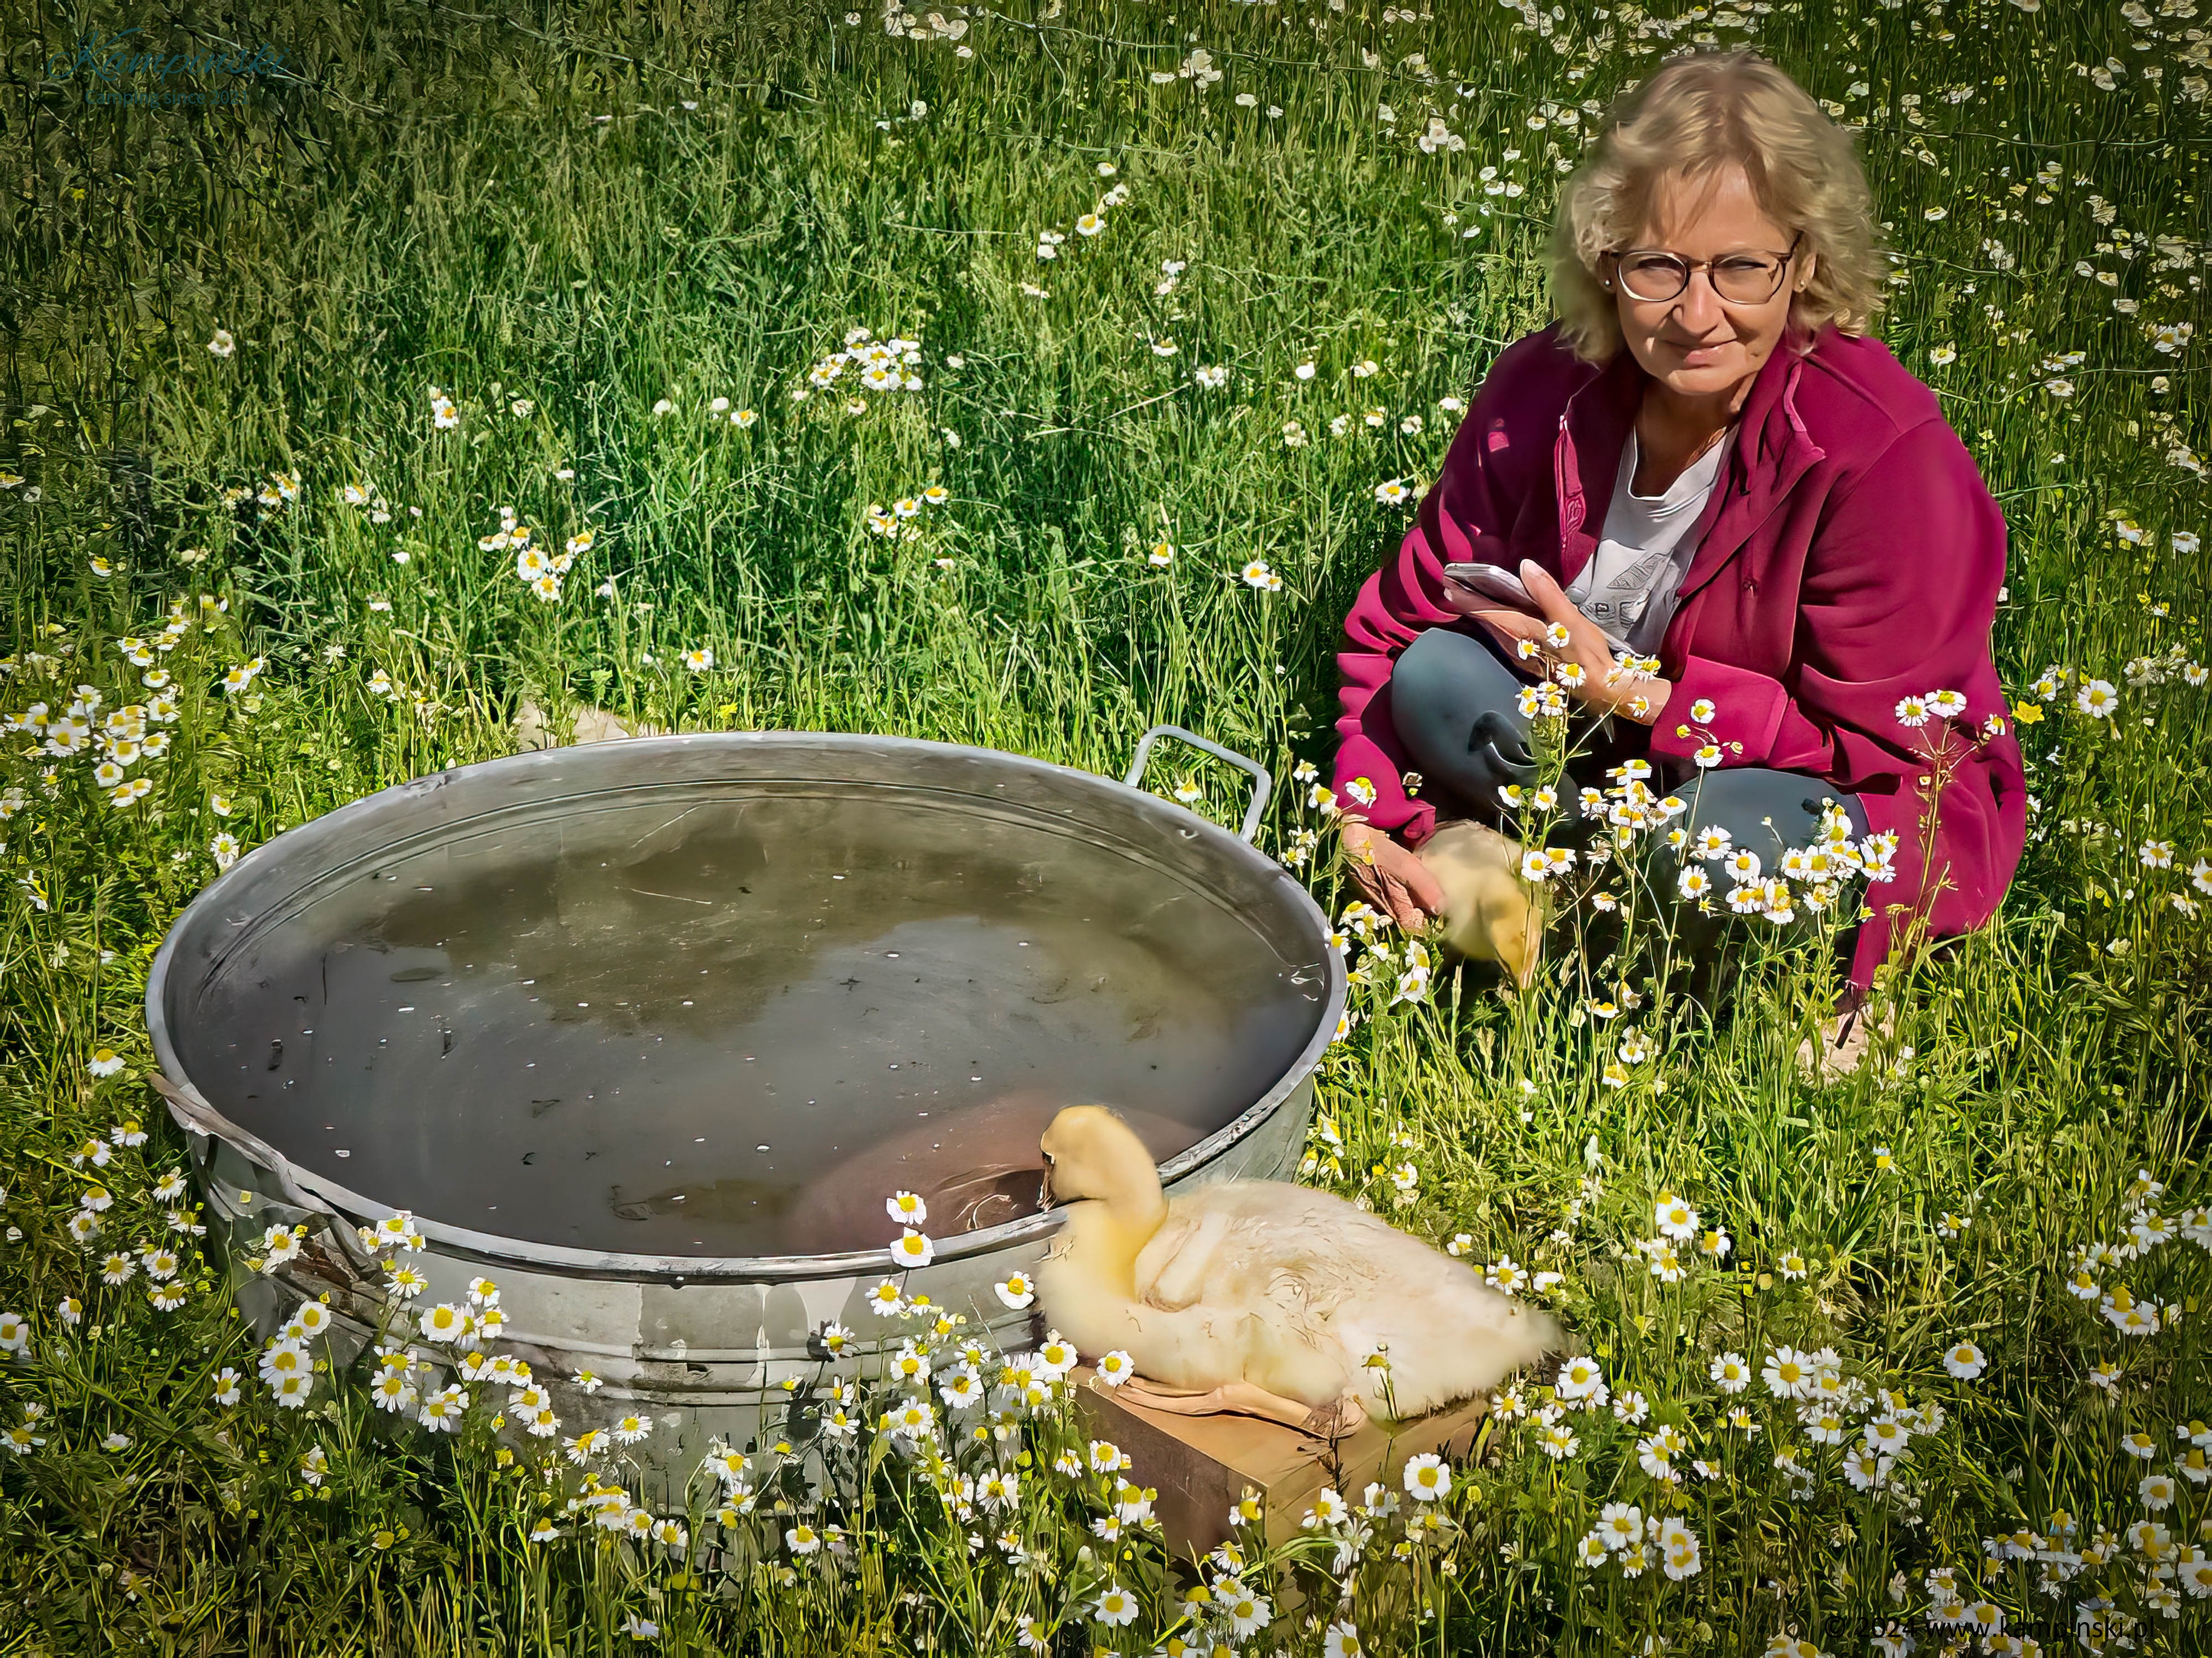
(303, 1189)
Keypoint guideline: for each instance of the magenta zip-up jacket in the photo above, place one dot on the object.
(1850, 556)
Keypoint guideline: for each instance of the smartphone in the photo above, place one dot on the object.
(1492, 582)
(1506, 588)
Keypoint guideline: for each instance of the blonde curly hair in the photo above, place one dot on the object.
(1696, 115)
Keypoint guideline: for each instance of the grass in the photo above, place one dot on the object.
(592, 210)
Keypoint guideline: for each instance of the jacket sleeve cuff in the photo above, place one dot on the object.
(1747, 711)
(1360, 760)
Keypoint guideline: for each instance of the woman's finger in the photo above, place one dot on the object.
(1403, 909)
(1392, 902)
(1418, 886)
(1371, 885)
(1510, 627)
(1422, 885)
(1520, 637)
(1519, 625)
(1549, 597)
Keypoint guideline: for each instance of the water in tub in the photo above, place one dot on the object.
(734, 1029)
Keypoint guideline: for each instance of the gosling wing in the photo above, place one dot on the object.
(1264, 1246)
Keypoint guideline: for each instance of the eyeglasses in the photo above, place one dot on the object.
(1652, 274)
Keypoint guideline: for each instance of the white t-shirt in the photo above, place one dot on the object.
(1629, 585)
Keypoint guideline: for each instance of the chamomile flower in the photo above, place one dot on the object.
(1427, 1478)
(1965, 1360)
(282, 1246)
(905, 1208)
(1789, 1374)
(2097, 699)
(405, 1283)
(441, 1411)
(1580, 1378)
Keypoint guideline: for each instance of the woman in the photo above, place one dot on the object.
(1707, 459)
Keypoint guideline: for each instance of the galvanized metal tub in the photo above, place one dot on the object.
(396, 1006)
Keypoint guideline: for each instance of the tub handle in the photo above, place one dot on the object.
(193, 1111)
(1263, 782)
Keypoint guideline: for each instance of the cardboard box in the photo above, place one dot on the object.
(1202, 1465)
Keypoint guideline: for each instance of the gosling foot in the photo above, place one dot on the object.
(1331, 1421)
(1344, 1415)
(1842, 1042)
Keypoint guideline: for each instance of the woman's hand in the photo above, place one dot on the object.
(1396, 880)
(1569, 640)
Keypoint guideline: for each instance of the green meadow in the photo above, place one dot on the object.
(1025, 375)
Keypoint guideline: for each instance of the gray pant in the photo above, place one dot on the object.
(1454, 700)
